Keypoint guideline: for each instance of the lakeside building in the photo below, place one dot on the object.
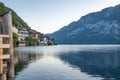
(47, 41)
(22, 34)
(38, 37)
(34, 34)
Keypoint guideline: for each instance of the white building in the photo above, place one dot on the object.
(22, 34)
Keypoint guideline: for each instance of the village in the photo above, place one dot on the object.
(11, 36)
(31, 38)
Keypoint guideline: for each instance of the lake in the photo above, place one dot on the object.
(68, 62)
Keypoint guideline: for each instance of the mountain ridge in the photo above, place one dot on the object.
(17, 21)
(102, 27)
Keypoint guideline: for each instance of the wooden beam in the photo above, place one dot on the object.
(11, 61)
(1, 67)
(4, 45)
(1, 51)
(1, 40)
(4, 36)
(4, 64)
(1, 61)
(6, 56)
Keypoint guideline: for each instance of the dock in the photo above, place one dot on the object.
(6, 47)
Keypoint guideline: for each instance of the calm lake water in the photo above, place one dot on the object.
(68, 62)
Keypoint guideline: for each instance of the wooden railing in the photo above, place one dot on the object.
(1, 41)
(4, 55)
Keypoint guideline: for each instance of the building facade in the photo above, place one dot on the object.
(22, 34)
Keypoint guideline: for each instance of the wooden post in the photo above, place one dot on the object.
(8, 19)
(11, 68)
(1, 61)
(3, 77)
(1, 52)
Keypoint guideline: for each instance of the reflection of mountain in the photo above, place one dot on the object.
(105, 64)
(23, 59)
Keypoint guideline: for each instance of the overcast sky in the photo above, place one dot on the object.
(47, 16)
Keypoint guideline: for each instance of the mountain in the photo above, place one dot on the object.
(16, 20)
(101, 27)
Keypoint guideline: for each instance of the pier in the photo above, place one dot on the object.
(6, 47)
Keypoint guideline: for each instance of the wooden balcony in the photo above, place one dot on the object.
(6, 56)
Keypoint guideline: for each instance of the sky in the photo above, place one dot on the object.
(48, 16)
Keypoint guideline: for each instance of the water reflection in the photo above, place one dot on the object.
(68, 62)
(103, 64)
(23, 58)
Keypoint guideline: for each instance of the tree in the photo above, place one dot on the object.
(3, 9)
(30, 41)
(15, 39)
